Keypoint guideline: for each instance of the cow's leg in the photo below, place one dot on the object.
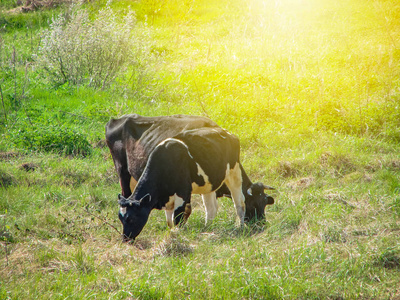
(169, 214)
(234, 182)
(183, 209)
(125, 182)
(169, 211)
(210, 202)
(177, 210)
(182, 213)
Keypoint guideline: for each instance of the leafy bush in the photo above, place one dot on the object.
(80, 51)
(53, 138)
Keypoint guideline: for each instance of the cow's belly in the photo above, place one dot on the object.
(205, 189)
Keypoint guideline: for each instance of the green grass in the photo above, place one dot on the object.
(310, 87)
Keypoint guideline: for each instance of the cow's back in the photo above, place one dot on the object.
(213, 149)
(132, 138)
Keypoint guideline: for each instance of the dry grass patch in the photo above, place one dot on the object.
(33, 5)
(174, 244)
(338, 198)
(302, 183)
(10, 155)
(287, 169)
(46, 256)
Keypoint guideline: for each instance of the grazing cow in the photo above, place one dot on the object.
(197, 161)
(132, 138)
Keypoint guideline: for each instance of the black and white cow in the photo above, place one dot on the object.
(197, 161)
(132, 138)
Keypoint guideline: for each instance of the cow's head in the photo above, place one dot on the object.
(133, 215)
(256, 200)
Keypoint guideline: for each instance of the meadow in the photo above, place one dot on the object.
(310, 87)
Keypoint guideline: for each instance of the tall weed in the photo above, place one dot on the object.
(79, 50)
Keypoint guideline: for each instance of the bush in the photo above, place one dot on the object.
(80, 51)
(53, 138)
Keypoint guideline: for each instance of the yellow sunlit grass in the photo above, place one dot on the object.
(316, 60)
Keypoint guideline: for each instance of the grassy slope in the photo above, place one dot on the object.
(310, 87)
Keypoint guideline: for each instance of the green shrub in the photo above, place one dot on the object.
(53, 138)
(78, 50)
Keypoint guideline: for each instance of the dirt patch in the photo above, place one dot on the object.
(28, 167)
(6, 156)
(33, 5)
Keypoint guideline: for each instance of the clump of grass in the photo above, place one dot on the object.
(174, 244)
(338, 163)
(287, 169)
(334, 234)
(6, 179)
(388, 258)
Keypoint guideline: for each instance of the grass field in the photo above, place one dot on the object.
(310, 87)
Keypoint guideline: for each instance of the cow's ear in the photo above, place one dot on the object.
(250, 192)
(122, 201)
(269, 200)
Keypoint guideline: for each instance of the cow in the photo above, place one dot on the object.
(132, 138)
(197, 161)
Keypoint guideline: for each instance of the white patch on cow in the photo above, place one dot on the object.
(234, 182)
(122, 211)
(206, 188)
(210, 202)
(175, 140)
(170, 139)
(178, 201)
(174, 202)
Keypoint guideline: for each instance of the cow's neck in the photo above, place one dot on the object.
(246, 182)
